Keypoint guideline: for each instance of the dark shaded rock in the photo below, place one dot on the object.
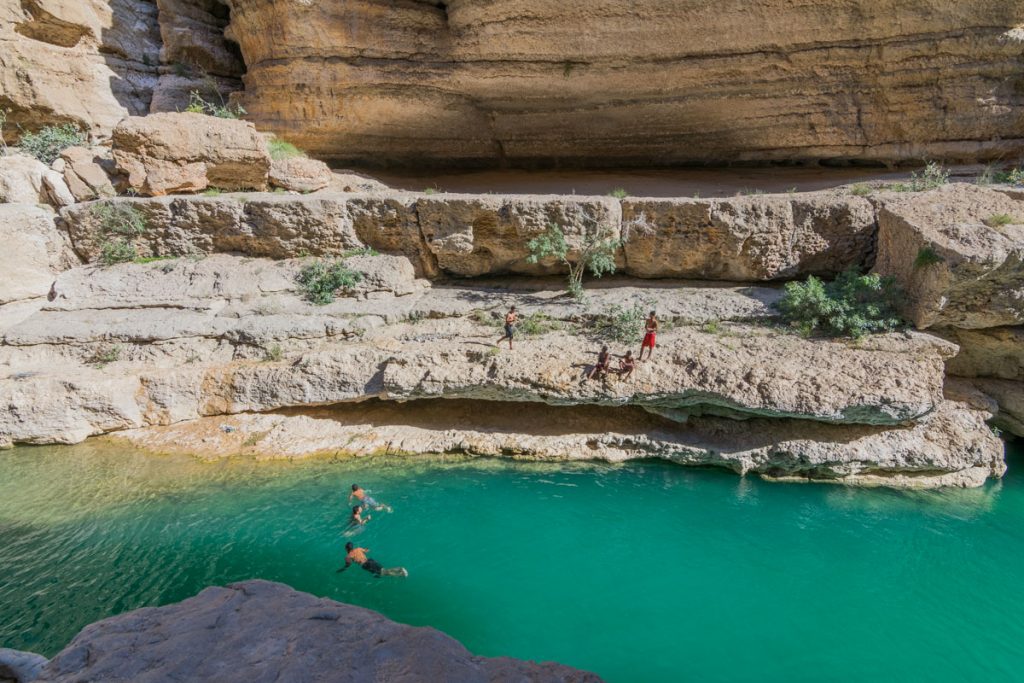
(259, 631)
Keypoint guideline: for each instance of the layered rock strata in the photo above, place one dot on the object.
(658, 82)
(757, 238)
(261, 631)
(138, 346)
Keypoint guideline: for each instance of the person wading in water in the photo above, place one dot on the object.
(511, 318)
(650, 333)
(361, 557)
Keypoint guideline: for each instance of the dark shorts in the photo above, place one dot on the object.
(373, 566)
(509, 330)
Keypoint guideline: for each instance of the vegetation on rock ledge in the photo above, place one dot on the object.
(320, 280)
(49, 142)
(852, 305)
(596, 253)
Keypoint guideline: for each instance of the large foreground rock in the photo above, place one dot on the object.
(955, 265)
(167, 153)
(263, 631)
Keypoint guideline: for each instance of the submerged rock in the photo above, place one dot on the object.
(264, 631)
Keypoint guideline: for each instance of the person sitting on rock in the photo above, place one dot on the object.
(511, 318)
(627, 364)
(600, 368)
(361, 556)
(358, 493)
(650, 332)
(357, 520)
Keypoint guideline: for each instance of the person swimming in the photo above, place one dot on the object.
(361, 556)
(356, 519)
(359, 494)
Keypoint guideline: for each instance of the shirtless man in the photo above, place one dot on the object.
(600, 368)
(357, 519)
(365, 500)
(361, 557)
(511, 318)
(627, 364)
(650, 332)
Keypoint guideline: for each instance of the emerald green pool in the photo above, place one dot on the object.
(643, 572)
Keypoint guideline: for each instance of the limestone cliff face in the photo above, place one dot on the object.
(645, 82)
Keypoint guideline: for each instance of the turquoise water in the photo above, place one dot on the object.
(643, 572)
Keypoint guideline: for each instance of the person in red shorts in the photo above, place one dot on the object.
(650, 333)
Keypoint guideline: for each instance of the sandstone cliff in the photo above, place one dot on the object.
(652, 82)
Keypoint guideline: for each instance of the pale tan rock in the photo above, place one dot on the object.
(85, 172)
(25, 180)
(33, 253)
(954, 440)
(86, 62)
(225, 634)
(1009, 398)
(954, 269)
(761, 237)
(300, 174)
(169, 153)
(666, 82)
(996, 352)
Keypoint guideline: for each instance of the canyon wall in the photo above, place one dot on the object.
(652, 82)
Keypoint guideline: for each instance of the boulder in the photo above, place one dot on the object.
(20, 667)
(264, 631)
(996, 352)
(752, 238)
(25, 180)
(34, 252)
(957, 266)
(300, 174)
(169, 153)
(1008, 399)
(86, 172)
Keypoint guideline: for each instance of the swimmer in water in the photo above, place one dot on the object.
(359, 494)
(357, 520)
(361, 557)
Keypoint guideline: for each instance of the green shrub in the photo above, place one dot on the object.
(361, 251)
(536, 324)
(597, 254)
(927, 256)
(933, 176)
(48, 143)
(198, 105)
(430, 190)
(711, 327)
(852, 305)
(860, 190)
(212, 192)
(117, 250)
(621, 324)
(486, 318)
(281, 149)
(320, 280)
(273, 353)
(618, 193)
(105, 355)
(999, 220)
(119, 218)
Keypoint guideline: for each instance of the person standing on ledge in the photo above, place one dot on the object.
(650, 333)
(361, 557)
(511, 318)
(365, 500)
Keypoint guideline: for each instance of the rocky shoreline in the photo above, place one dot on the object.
(259, 630)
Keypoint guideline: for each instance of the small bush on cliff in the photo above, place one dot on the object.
(621, 324)
(281, 150)
(852, 305)
(998, 220)
(119, 224)
(198, 105)
(596, 253)
(933, 176)
(48, 143)
(320, 280)
(927, 256)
